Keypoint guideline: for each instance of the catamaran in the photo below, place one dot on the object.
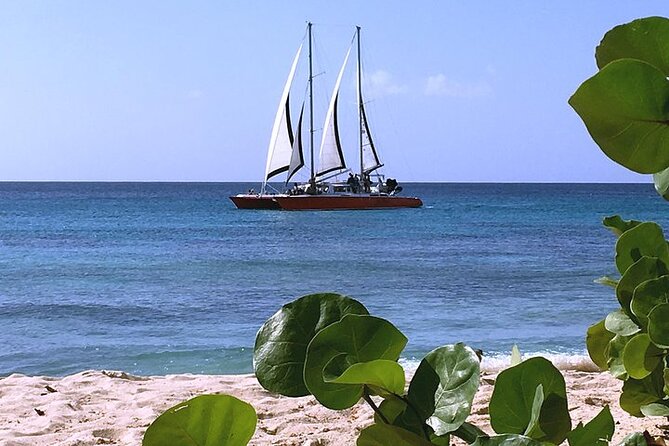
(364, 190)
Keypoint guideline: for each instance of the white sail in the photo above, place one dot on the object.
(297, 157)
(370, 159)
(280, 148)
(331, 157)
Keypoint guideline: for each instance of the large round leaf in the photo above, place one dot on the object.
(640, 356)
(354, 339)
(641, 392)
(646, 268)
(597, 432)
(507, 440)
(206, 420)
(647, 296)
(384, 377)
(645, 39)
(634, 439)
(444, 385)
(624, 107)
(617, 225)
(619, 323)
(597, 340)
(655, 410)
(514, 395)
(614, 352)
(281, 343)
(387, 435)
(661, 181)
(658, 325)
(646, 239)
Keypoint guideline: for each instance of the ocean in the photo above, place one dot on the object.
(163, 278)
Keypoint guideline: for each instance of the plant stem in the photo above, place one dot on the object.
(372, 404)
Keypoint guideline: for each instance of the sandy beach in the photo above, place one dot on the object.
(97, 407)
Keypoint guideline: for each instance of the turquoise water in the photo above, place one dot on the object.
(158, 278)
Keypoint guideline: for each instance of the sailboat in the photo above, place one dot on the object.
(283, 155)
(319, 193)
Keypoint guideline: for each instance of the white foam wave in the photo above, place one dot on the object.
(498, 362)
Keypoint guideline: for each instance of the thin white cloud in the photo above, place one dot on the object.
(440, 85)
(381, 83)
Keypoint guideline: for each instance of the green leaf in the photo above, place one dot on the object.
(597, 341)
(391, 408)
(646, 268)
(508, 440)
(666, 381)
(607, 281)
(386, 435)
(614, 352)
(354, 339)
(646, 239)
(442, 440)
(206, 420)
(658, 325)
(647, 296)
(598, 432)
(444, 385)
(281, 343)
(395, 410)
(617, 225)
(619, 323)
(469, 432)
(635, 439)
(533, 429)
(382, 374)
(514, 395)
(655, 410)
(640, 356)
(516, 357)
(661, 181)
(644, 39)
(624, 109)
(641, 392)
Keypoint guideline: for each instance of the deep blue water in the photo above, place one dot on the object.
(157, 278)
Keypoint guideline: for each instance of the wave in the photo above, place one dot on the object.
(498, 362)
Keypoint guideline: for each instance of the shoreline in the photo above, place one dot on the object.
(98, 407)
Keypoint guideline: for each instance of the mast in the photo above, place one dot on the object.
(361, 130)
(312, 179)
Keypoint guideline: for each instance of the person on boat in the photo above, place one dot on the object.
(356, 183)
(312, 189)
(350, 181)
(366, 182)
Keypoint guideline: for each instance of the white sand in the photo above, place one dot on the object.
(93, 408)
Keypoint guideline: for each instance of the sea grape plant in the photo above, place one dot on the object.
(206, 420)
(625, 105)
(633, 341)
(329, 346)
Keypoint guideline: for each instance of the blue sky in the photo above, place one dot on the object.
(187, 91)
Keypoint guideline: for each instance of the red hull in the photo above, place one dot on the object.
(247, 201)
(345, 202)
